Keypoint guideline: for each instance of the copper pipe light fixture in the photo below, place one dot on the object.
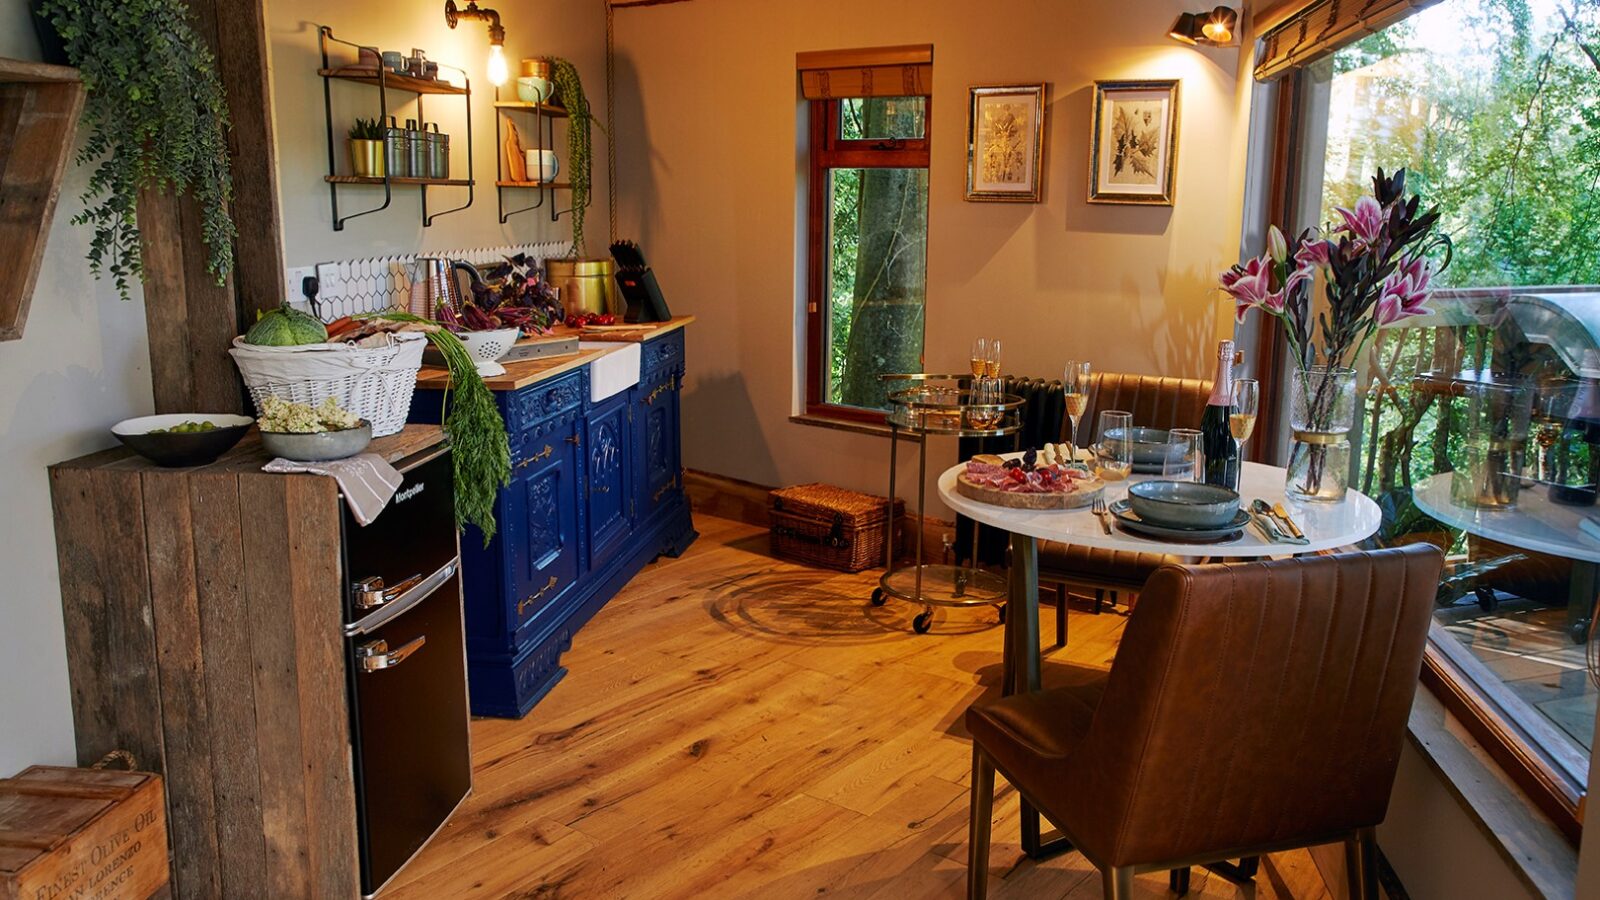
(498, 73)
(1214, 28)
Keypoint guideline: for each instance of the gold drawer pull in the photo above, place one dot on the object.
(524, 603)
(546, 453)
(575, 439)
(662, 388)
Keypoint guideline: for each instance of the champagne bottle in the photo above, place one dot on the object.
(1221, 454)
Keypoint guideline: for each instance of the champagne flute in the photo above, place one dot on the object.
(1242, 419)
(980, 356)
(1116, 445)
(1075, 391)
(991, 366)
(985, 393)
(1185, 459)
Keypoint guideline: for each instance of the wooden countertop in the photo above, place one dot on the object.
(521, 374)
(249, 456)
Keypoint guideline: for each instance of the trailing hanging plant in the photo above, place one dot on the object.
(158, 120)
(580, 144)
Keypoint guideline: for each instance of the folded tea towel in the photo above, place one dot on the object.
(366, 480)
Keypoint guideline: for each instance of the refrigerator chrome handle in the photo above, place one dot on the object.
(371, 592)
(397, 607)
(377, 656)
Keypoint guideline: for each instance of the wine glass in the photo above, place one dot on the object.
(991, 365)
(1185, 459)
(1075, 390)
(980, 356)
(1242, 419)
(1116, 445)
(985, 393)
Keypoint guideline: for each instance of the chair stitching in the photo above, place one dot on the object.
(1316, 683)
(1249, 681)
(1205, 735)
(1361, 641)
(1155, 716)
(1388, 654)
(1283, 672)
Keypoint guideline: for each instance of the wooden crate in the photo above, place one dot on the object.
(832, 527)
(68, 832)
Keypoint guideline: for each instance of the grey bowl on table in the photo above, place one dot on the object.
(1151, 446)
(1185, 504)
(319, 446)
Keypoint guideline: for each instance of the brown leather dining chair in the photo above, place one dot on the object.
(1155, 402)
(1250, 708)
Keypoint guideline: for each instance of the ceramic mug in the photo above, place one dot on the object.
(542, 165)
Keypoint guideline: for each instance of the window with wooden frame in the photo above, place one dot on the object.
(1480, 424)
(867, 224)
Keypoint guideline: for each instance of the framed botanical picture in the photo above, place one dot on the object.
(1005, 143)
(1133, 149)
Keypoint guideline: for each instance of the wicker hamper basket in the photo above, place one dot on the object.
(823, 525)
(374, 383)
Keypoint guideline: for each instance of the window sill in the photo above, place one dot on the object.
(868, 428)
(1529, 842)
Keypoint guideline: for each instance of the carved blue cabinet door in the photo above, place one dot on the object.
(609, 485)
(656, 452)
(542, 528)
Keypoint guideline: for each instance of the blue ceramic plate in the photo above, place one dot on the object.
(1126, 518)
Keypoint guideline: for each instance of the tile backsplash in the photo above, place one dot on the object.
(354, 286)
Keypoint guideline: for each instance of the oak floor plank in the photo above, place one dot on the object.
(733, 725)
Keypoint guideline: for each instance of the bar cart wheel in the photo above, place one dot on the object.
(879, 598)
(922, 622)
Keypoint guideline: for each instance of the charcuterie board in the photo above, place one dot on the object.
(1082, 494)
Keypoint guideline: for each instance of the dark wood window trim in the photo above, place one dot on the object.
(1494, 724)
(829, 151)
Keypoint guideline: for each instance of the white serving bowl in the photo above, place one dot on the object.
(543, 165)
(488, 346)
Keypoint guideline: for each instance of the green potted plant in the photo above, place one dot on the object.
(366, 148)
(580, 146)
(157, 120)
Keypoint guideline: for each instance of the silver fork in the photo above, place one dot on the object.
(1098, 507)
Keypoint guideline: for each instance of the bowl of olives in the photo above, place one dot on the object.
(182, 439)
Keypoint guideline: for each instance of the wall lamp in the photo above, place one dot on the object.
(498, 73)
(1214, 28)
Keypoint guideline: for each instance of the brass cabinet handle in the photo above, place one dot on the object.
(661, 491)
(662, 388)
(575, 439)
(546, 453)
(524, 603)
(377, 656)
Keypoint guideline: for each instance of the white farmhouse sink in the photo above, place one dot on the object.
(614, 371)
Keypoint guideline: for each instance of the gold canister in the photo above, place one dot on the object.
(585, 284)
(366, 158)
(536, 67)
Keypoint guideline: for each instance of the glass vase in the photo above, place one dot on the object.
(1322, 410)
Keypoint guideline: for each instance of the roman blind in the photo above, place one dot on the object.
(905, 71)
(1322, 26)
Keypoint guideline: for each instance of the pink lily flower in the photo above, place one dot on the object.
(1277, 246)
(1249, 285)
(1314, 253)
(1404, 292)
(1365, 222)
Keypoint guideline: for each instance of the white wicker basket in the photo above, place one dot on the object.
(375, 384)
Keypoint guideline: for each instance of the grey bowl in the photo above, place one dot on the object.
(1151, 446)
(188, 448)
(1184, 504)
(321, 446)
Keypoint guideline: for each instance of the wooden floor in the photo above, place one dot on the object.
(735, 726)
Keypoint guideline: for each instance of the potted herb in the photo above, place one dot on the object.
(157, 120)
(580, 144)
(1374, 270)
(366, 148)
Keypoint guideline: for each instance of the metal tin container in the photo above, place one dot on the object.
(586, 285)
(438, 152)
(536, 67)
(396, 151)
(418, 164)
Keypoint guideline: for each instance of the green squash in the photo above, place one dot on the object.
(286, 327)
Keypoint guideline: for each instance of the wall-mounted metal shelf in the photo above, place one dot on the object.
(544, 116)
(385, 81)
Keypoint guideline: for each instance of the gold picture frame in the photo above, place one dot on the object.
(1005, 142)
(1133, 147)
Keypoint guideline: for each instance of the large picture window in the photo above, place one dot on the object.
(867, 253)
(1481, 424)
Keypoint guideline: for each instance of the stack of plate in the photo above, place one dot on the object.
(1182, 511)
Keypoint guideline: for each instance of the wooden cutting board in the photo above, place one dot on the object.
(1084, 494)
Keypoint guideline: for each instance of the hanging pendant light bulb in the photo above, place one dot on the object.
(497, 65)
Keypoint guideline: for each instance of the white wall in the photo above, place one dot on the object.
(81, 365)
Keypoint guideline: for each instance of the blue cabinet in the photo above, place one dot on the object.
(596, 494)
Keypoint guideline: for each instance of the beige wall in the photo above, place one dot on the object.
(712, 172)
(533, 27)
